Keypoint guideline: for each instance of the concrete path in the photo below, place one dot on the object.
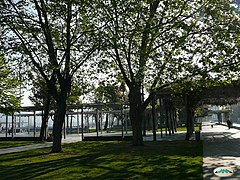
(221, 148)
(76, 138)
(69, 139)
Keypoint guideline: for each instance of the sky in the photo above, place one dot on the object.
(25, 101)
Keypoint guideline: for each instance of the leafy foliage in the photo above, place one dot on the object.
(57, 38)
(9, 99)
(157, 43)
(110, 93)
(46, 32)
(40, 92)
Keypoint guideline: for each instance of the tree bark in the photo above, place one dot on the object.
(219, 116)
(171, 117)
(189, 114)
(45, 120)
(57, 126)
(136, 115)
(154, 121)
(106, 123)
(167, 117)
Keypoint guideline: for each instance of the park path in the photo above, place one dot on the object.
(69, 139)
(76, 138)
(221, 148)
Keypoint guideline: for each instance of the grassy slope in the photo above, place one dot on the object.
(107, 160)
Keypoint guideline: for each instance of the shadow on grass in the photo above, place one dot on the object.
(108, 160)
(11, 144)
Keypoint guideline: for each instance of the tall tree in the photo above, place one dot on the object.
(154, 43)
(41, 98)
(57, 39)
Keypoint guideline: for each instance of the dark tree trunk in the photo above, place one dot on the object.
(144, 124)
(45, 120)
(167, 117)
(144, 118)
(106, 123)
(175, 119)
(136, 116)
(154, 121)
(171, 117)
(71, 119)
(189, 116)
(57, 126)
(219, 116)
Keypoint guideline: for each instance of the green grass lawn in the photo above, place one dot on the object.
(183, 128)
(10, 144)
(107, 160)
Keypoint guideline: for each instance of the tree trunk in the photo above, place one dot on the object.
(154, 121)
(167, 117)
(106, 123)
(144, 124)
(136, 116)
(57, 126)
(171, 117)
(219, 116)
(190, 114)
(45, 120)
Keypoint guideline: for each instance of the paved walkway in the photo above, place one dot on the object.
(221, 148)
(76, 138)
(69, 139)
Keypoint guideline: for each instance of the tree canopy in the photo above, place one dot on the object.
(56, 39)
(9, 94)
(158, 43)
(152, 44)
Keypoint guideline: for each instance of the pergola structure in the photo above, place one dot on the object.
(168, 101)
(79, 113)
(162, 114)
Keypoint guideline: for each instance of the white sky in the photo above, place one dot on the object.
(25, 100)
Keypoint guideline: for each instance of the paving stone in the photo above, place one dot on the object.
(220, 149)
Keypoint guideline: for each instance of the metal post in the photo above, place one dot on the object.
(126, 125)
(144, 118)
(34, 121)
(12, 124)
(153, 120)
(101, 121)
(77, 122)
(6, 125)
(67, 129)
(28, 124)
(161, 105)
(64, 129)
(20, 122)
(122, 122)
(82, 124)
(97, 119)
(171, 118)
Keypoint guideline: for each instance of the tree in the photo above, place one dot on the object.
(9, 98)
(57, 38)
(155, 43)
(187, 94)
(109, 93)
(41, 97)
